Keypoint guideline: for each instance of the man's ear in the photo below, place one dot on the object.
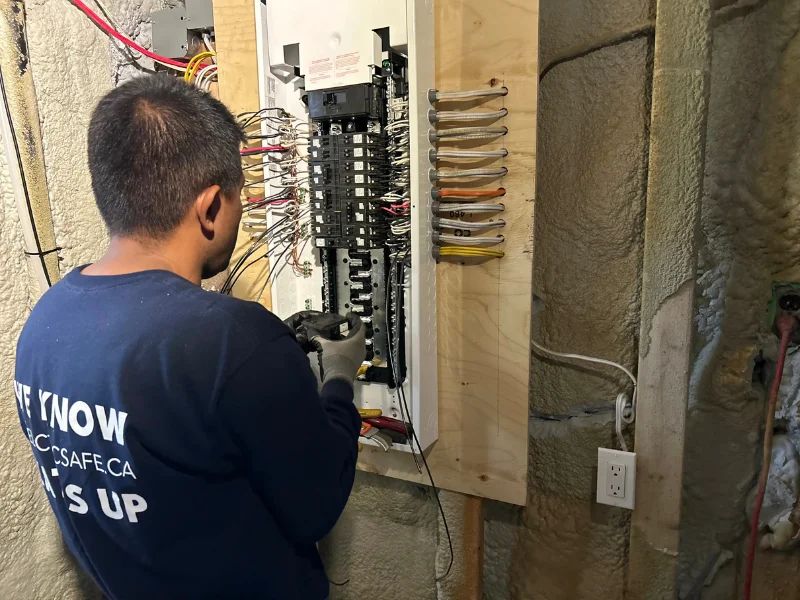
(207, 205)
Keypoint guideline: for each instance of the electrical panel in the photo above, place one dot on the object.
(351, 79)
(175, 29)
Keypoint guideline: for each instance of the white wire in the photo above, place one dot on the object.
(440, 154)
(209, 47)
(472, 226)
(502, 91)
(205, 72)
(470, 241)
(477, 207)
(625, 413)
(471, 133)
(457, 115)
(457, 173)
(397, 124)
(619, 410)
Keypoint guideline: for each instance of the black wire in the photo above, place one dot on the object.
(262, 239)
(392, 359)
(260, 181)
(248, 265)
(414, 438)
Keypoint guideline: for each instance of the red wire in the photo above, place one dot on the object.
(246, 151)
(786, 325)
(115, 34)
(278, 201)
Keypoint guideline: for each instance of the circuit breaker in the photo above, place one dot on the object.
(349, 80)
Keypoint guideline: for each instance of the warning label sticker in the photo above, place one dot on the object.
(320, 70)
(347, 64)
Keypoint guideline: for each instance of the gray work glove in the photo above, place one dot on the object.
(341, 359)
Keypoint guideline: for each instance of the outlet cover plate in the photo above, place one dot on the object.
(620, 493)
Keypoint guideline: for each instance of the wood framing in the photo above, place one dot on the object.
(680, 99)
(235, 34)
(483, 310)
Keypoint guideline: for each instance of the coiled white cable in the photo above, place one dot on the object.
(466, 94)
(440, 154)
(457, 115)
(625, 413)
(459, 173)
(477, 207)
(470, 241)
(470, 133)
(469, 225)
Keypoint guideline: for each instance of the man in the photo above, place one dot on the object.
(180, 436)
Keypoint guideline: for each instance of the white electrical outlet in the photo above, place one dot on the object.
(616, 477)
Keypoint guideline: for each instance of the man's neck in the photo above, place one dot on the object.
(131, 255)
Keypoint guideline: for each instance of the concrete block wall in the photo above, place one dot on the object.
(593, 131)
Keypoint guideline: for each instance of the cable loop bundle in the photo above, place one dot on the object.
(470, 225)
(466, 245)
(469, 240)
(478, 207)
(457, 115)
(440, 154)
(468, 133)
(437, 96)
(463, 173)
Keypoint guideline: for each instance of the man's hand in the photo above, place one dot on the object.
(341, 359)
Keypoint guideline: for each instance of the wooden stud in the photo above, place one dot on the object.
(235, 34)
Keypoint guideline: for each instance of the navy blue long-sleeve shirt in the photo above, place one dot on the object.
(181, 439)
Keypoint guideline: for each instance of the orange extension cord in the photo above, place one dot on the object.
(786, 325)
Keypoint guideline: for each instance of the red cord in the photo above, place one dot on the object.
(115, 34)
(786, 325)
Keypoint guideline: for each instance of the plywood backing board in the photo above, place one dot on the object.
(235, 35)
(484, 310)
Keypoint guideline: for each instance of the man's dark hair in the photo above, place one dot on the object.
(155, 143)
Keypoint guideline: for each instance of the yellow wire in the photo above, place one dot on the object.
(194, 64)
(470, 252)
(196, 58)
